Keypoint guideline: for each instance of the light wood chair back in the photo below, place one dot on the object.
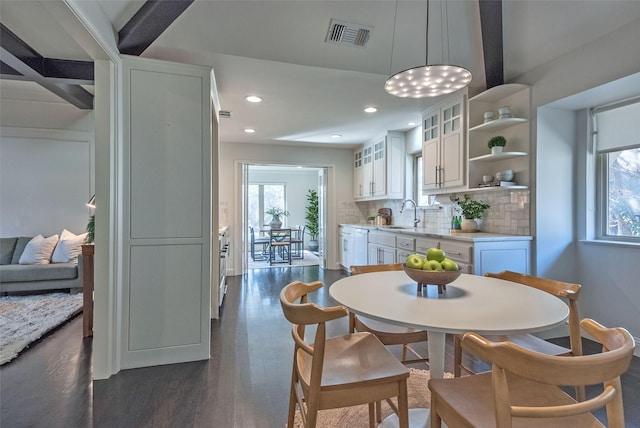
(328, 372)
(388, 334)
(568, 291)
(527, 384)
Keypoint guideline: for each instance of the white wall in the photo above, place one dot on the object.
(340, 188)
(608, 273)
(46, 164)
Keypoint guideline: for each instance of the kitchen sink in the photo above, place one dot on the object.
(397, 227)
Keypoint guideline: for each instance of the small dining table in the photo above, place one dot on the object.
(470, 303)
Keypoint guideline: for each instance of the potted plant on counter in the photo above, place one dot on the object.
(497, 143)
(275, 213)
(312, 225)
(471, 210)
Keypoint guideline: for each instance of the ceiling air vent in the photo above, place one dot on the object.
(348, 33)
(224, 114)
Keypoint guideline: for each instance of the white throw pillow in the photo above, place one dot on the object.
(38, 251)
(69, 247)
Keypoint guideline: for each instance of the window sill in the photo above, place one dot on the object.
(610, 243)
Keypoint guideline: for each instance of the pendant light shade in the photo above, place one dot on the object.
(429, 80)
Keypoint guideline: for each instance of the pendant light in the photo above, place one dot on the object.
(430, 80)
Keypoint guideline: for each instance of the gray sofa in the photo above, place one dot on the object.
(15, 277)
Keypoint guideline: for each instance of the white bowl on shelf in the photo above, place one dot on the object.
(506, 175)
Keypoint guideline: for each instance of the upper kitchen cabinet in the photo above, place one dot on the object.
(443, 145)
(513, 101)
(379, 168)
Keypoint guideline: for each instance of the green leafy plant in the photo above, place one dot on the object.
(497, 141)
(91, 229)
(311, 217)
(471, 209)
(277, 212)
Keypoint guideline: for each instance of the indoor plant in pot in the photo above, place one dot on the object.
(471, 210)
(275, 213)
(497, 143)
(311, 218)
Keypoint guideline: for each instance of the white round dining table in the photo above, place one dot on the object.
(470, 303)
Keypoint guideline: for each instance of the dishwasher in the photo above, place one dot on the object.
(360, 243)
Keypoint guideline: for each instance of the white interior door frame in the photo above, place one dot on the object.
(325, 215)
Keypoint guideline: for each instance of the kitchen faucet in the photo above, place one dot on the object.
(415, 211)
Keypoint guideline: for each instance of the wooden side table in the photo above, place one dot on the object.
(87, 289)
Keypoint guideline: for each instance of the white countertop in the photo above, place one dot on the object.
(439, 233)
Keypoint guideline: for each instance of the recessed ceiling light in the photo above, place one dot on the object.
(336, 135)
(253, 98)
(249, 130)
(370, 109)
(412, 124)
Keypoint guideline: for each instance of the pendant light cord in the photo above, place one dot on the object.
(426, 60)
(393, 39)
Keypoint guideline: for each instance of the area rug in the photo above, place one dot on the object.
(24, 319)
(309, 259)
(358, 416)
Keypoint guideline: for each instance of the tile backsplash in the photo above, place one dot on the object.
(509, 212)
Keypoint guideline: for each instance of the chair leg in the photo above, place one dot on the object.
(372, 415)
(292, 401)
(457, 356)
(403, 405)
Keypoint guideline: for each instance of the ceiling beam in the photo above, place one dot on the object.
(148, 23)
(52, 74)
(492, 46)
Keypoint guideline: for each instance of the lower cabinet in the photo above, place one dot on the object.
(481, 257)
(346, 246)
(474, 257)
(382, 248)
(496, 256)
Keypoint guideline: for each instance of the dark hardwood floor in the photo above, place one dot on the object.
(244, 384)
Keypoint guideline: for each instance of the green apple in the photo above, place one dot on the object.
(431, 265)
(414, 261)
(435, 254)
(449, 265)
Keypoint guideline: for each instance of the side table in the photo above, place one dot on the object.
(87, 289)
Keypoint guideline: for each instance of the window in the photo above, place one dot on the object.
(421, 200)
(617, 144)
(261, 198)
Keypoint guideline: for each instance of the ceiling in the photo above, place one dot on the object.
(312, 89)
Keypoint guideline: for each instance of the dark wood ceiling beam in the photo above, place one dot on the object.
(492, 45)
(21, 58)
(148, 23)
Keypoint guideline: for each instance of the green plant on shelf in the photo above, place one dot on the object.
(497, 141)
(471, 209)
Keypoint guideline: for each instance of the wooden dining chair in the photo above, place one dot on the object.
(388, 334)
(279, 246)
(524, 388)
(569, 292)
(297, 243)
(261, 241)
(339, 371)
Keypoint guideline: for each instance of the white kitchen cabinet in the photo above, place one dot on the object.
(481, 257)
(382, 248)
(358, 190)
(346, 246)
(379, 168)
(170, 270)
(443, 145)
(515, 129)
(496, 256)
(460, 252)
